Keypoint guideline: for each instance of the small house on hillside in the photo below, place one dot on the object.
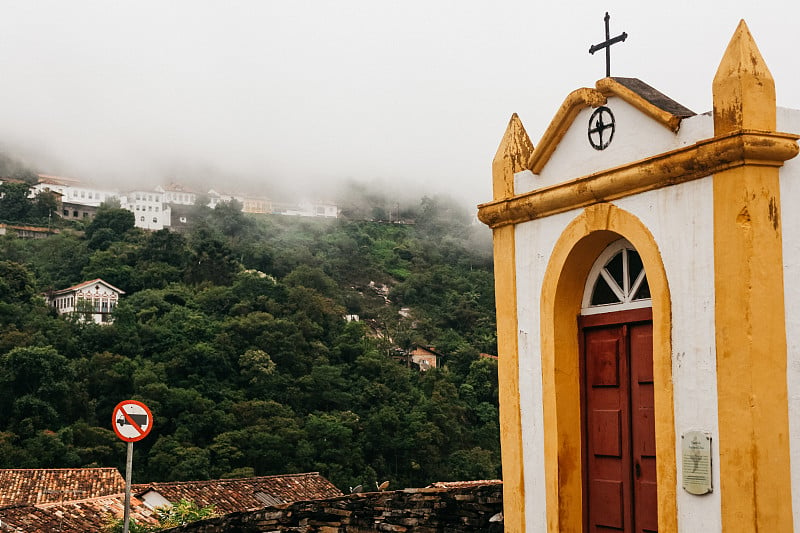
(426, 357)
(96, 299)
(241, 494)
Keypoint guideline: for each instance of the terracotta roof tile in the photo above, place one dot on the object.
(32, 486)
(230, 495)
(80, 516)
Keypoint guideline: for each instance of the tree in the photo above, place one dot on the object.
(16, 282)
(211, 260)
(44, 205)
(15, 206)
(117, 220)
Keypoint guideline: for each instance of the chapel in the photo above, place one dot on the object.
(648, 320)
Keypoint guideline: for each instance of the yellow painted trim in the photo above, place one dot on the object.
(610, 87)
(743, 88)
(562, 290)
(684, 164)
(511, 156)
(582, 98)
(508, 375)
(513, 152)
(575, 101)
(750, 316)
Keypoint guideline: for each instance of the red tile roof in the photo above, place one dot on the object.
(230, 495)
(87, 283)
(80, 516)
(32, 486)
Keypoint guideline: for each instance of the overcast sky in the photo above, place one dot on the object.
(312, 93)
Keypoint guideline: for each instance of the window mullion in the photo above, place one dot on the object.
(612, 283)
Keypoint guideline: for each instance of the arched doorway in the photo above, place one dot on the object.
(617, 395)
(574, 256)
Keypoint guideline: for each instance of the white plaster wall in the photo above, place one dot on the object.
(680, 218)
(636, 137)
(789, 121)
(534, 245)
(681, 221)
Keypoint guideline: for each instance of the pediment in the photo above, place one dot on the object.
(638, 120)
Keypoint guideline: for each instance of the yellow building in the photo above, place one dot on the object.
(648, 324)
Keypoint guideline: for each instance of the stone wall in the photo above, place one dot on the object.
(429, 510)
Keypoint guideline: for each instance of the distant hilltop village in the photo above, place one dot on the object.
(164, 206)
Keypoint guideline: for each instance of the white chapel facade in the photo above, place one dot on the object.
(647, 308)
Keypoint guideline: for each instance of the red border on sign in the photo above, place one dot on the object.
(143, 432)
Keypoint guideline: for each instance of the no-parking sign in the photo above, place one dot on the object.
(132, 420)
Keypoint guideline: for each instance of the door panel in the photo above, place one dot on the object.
(608, 431)
(643, 427)
(619, 428)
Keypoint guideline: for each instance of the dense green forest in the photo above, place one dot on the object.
(234, 335)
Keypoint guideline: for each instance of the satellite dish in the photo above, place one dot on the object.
(356, 489)
(497, 518)
(383, 486)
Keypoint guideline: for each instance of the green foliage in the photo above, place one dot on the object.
(117, 220)
(234, 335)
(15, 205)
(182, 513)
(117, 525)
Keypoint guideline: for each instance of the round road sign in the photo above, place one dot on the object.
(132, 420)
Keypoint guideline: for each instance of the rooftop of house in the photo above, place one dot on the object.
(38, 486)
(80, 286)
(230, 495)
(89, 514)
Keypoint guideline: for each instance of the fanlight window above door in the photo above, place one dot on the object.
(616, 282)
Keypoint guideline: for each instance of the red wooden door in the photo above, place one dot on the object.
(619, 425)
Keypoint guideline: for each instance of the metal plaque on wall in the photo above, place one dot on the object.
(696, 455)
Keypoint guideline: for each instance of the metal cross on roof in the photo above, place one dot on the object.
(607, 45)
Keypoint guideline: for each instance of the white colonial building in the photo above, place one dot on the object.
(177, 194)
(149, 209)
(96, 299)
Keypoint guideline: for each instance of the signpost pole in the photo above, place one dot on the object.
(132, 421)
(128, 468)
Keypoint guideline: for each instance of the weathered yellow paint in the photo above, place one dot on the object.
(513, 152)
(511, 156)
(750, 321)
(562, 290)
(743, 87)
(692, 162)
(574, 102)
(508, 375)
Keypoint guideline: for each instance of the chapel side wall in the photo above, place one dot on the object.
(531, 260)
(789, 121)
(680, 219)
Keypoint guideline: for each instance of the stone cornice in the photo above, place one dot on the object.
(704, 158)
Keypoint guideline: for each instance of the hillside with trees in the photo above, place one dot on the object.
(234, 335)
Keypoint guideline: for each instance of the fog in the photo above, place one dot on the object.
(300, 97)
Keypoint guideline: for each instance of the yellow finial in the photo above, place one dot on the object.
(743, 88)
(512, 155)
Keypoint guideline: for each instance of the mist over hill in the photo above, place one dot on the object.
(234, 334)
